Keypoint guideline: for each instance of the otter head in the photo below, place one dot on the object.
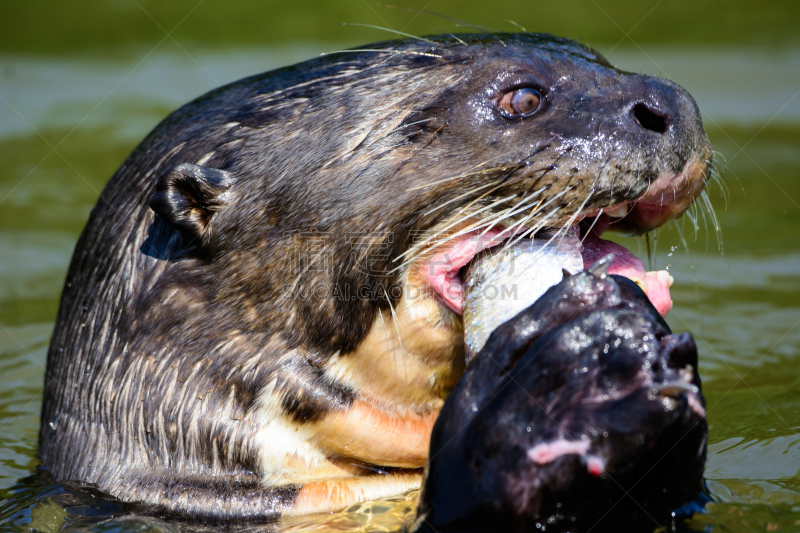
(357, 185)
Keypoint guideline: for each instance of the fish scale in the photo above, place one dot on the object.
(502, 282)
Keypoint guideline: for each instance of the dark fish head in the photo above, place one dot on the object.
(583, 411)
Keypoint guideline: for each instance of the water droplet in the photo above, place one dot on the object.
(668, 267)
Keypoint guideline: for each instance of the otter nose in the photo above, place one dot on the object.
(655, 104)
(650, 117)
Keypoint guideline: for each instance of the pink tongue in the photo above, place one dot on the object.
(628, 265)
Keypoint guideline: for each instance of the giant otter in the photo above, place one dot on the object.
(262, 315)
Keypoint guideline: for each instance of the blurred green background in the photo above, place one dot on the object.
(81, 82)
(45, 27)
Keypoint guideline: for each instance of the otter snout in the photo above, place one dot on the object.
(663, 120)
(662, 111)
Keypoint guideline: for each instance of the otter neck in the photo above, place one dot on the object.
(410, 359)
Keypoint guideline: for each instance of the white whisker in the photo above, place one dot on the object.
(391, 31)
(457, 39)
(656, 233)
(593, 223)
(467, 175)
(469, 172)
(521, 222)
(693, 220)
(521, 206)
(577, 212)
(691, 262)
(462, 219)
(699, 209)
(532, 231)
(377, 50)
(394, 319)
(481, 197)
(517, 25)
(419, 250)
(535, 210)
(460, 196)
(550, 201)
(706, 202)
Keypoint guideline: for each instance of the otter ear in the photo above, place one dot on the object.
(188, 196)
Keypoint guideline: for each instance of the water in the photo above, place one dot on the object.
(71, 113)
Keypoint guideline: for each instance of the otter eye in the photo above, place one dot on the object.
(521, 102)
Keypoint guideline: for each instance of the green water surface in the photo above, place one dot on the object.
(82, 82)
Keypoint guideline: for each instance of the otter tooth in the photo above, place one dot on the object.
(664, 275)
(661, 275)
(619, 212)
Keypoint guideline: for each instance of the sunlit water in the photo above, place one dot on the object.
(66, 123)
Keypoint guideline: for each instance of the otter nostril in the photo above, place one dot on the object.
(650, 119)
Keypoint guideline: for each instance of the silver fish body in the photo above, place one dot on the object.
(502, 282)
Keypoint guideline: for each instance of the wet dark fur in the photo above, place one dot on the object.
(580, 363)
(170, 326)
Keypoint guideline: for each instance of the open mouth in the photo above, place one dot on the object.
(444, 271)
(667, 198)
